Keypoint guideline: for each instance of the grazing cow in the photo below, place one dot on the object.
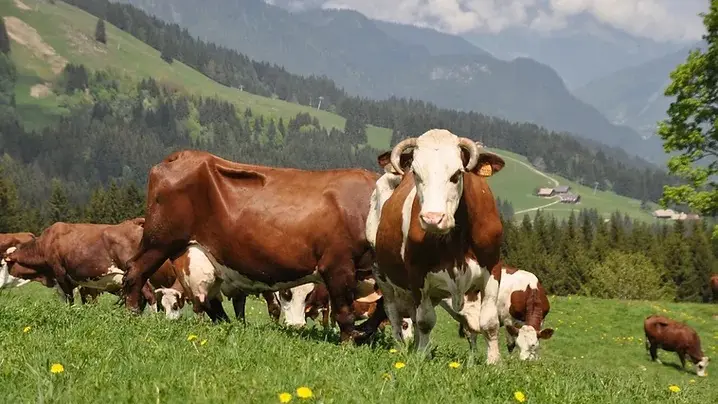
(438, 236)
(79, 254)
(672, 336)
(309, 300)
(714, 287)
(264, 228)
(192, 277)
(8, 243)
(522, 306)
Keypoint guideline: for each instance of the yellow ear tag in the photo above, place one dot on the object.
(486, 170)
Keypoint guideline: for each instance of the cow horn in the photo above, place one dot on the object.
(397, 150)
(473, 150)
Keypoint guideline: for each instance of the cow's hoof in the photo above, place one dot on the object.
(493, 359)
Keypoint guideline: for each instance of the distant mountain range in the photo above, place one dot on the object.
(634, 96)
(378, 59)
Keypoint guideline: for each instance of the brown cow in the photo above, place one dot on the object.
(79, 254)
(672, 336)
(439, 236)
(263, 228)
(714, 287)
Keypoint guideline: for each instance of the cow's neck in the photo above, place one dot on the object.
(31, 255)
(534, 309)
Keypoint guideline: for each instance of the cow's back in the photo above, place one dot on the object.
(671, 335)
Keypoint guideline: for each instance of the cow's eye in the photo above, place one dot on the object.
(455, 178)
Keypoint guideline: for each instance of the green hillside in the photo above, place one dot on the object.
(596, 355)
(47, 36)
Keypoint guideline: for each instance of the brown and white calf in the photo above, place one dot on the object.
(79, 254)
(310, 300)
(522, 307)
(438, 236)
(673, 336)
(192, 277)
(8, 243)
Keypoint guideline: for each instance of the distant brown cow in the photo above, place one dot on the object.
(263, 228)
(672, 336)
(714, 287)
(79, 254)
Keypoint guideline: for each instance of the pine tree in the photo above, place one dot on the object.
(58, 206)
(10, 212)
(100, 34)
(4, 38)
(703, 260)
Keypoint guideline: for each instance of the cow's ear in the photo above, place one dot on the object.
(405, 160)
(384, 159)
(489, 164)
(513, 331)
(546, 333)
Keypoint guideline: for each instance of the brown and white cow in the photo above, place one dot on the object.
(8, 243)
(310, 300)
(522, 307)
(673, 336)
(438, 236)
(79, 254)
(192, 277)
(265, 228)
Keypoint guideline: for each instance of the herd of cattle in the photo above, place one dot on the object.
(348, 244)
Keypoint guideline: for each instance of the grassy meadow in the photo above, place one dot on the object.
(596, 355)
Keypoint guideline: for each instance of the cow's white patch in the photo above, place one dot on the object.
(232, 280)
(110, 281)
(293, 310)
(203, 275)
(385, 186)
(701, 366)
(398, 303)
(170, 300)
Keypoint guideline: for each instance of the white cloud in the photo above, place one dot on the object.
(659, 19)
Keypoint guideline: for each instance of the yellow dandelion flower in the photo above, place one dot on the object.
(285, 397)
(454, 365)
(27, 329)
(692, 381)
(399, 365)
(674, 388)
(519, 396)
(191, 337)
(304, 392)
(393, 350)
(204, 341)
(57, 368)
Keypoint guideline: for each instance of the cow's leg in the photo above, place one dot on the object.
(340, 281)
(510, 342)
(370, 325)
(273, 308)
(653, 350)
(239, 303)
(425, 322)
(215, 311)
(67, 290)
(140, 268)
(489, 315)
(325, 318)
(682, 357)
(149, 296)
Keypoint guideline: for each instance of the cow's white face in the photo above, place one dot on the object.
(701, 366)
(438, 175)
(528, 343)
(407, 329)
(171, 301)
(7, 280)
(293, 303)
